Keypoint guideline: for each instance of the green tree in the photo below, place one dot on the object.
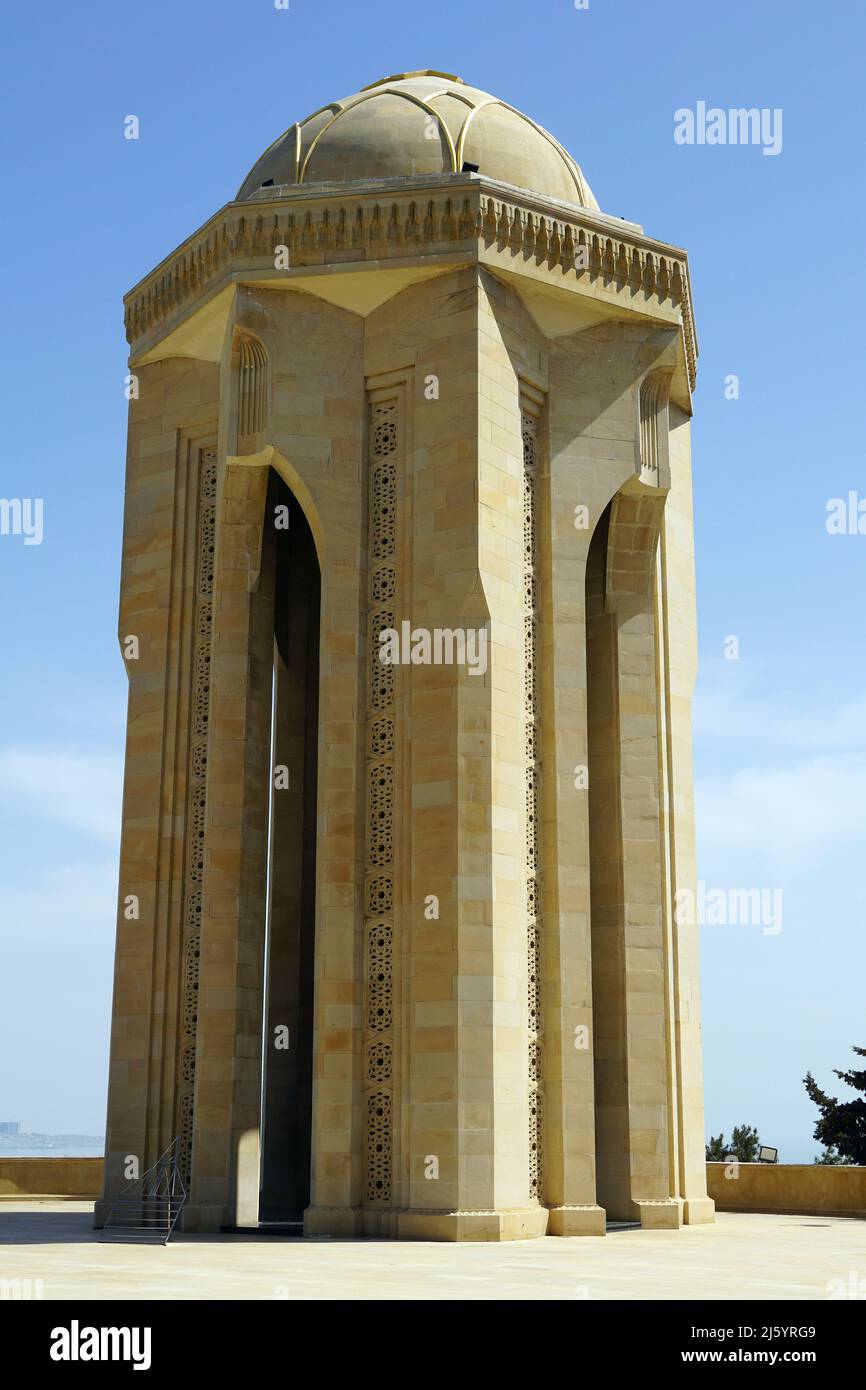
(744, 1145)
(842, 1126)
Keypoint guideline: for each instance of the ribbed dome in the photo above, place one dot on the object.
(420, 123)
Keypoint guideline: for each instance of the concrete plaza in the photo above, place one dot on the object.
(741, 1256)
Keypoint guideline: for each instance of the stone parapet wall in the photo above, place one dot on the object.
(795, 1188)
(50, 1177)
(799, 1188)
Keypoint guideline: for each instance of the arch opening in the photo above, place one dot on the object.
(610, 1056)
(290, 567)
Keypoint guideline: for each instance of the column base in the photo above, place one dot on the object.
(334, 1221)
(666, 1215)
(521, 1223)
(524, 1223)
(699, 1211)
(100, 1212)
(202, 1216)
(577, 1221)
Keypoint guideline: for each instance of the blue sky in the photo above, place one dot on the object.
(775, 255)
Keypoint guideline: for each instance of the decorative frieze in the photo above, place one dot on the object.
(581, 247)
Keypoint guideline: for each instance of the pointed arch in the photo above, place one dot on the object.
(270, 457)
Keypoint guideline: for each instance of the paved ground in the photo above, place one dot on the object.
(741, 1256)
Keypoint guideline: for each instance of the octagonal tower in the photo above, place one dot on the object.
(408, 557)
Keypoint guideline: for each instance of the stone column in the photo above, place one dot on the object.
(171, 421)
(678, 669)
(629, 948)
(569, 1111)
(468, 1093)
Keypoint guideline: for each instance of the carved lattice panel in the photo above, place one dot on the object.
(533, 978)
(195, 837)
(380, 739)
(199, 760)
(383, 584)
(382, 674)
(380, 893)
(531, 742)
(532, 777)
(529, 667)
(384, 505)
(378, 1147)
(383, 430)
(381, 791)
(192, 914)
(532, 820)
(379, 1062)
(191, 972)
(382, 683)
(196, 809)
(379, 977)
(532, 898)
(185, 1128)
(535, 1145)
(380, 813)
(208, 475)
(207, 548)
